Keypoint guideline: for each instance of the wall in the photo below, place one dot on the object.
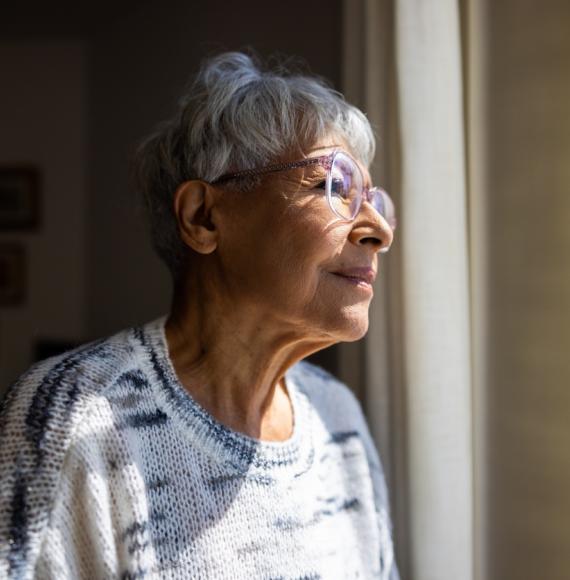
(77, 109)
(42, 122)
(140, 64)
(528, 395)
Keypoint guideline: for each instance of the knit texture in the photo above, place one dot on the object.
(109, 469)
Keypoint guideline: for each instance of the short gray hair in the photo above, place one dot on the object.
(235, 116)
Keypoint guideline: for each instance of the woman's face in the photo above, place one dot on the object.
(285, 256)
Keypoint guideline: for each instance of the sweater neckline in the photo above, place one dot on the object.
(236, 450)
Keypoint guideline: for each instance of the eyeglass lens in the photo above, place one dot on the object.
(346, 189)
(346, 185)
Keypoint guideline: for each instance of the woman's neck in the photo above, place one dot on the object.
(232, 360)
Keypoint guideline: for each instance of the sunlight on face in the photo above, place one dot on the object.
(285, 254)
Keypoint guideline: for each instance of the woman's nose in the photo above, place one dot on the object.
(370, 228)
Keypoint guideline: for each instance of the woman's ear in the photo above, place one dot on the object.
(193, 202)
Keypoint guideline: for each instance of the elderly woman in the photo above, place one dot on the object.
(199, 445)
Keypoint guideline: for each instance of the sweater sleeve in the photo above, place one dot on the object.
(79, 542)
(38, 423)
(381, 497)
(334, 395)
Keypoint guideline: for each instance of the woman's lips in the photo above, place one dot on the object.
(359, 277)
(365, 274)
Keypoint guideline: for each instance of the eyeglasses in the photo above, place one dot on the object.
(344, 185)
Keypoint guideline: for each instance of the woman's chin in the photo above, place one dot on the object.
(356, 333)
(353, 325)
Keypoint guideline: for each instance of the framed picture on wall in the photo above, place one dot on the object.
(19, 198)
(12, 274)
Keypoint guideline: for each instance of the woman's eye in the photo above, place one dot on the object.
(337, 188)
(321, 185)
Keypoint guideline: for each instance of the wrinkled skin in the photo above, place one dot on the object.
(260, 293)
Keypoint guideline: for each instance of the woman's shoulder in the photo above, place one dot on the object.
(39, 418)
(320, 383)
(341, 414)
(335, 403)
(59, 383)
(311, 376)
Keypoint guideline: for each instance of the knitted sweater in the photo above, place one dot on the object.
(109, 469)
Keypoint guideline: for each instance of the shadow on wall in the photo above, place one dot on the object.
(107, 76)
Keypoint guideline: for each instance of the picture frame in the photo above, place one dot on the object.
(19, 198)
(13, 274)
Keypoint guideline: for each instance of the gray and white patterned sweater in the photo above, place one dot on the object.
(109, 469)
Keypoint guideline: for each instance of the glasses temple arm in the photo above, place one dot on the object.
(270, 169)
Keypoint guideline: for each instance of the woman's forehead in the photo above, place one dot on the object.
(330, 143)
(326, 144)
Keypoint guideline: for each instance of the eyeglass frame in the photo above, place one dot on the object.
(326, 161)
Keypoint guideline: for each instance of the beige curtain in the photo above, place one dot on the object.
(403, 66)
(435, 288)
(526, 141)
(476, 447)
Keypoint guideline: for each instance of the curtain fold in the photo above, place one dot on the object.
(417, 386)
(435, 288)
